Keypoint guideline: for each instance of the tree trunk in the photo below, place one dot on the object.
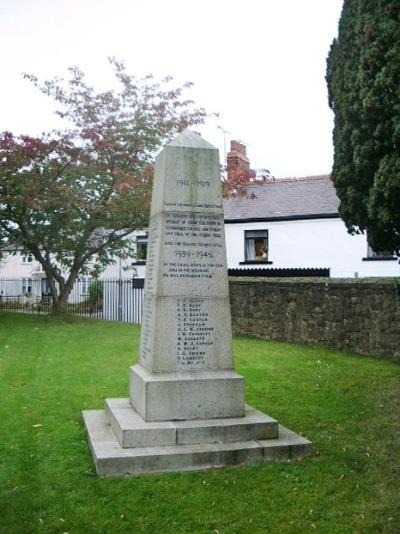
(59, 305)
(61, 300)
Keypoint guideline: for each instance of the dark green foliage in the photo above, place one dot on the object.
(363, 76)
(96, 290)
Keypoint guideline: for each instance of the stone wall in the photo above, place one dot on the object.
(352, 315)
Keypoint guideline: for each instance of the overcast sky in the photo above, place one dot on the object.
(260, 64)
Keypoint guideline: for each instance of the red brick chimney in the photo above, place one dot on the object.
(238, 164)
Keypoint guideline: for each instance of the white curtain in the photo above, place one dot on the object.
(250, 249)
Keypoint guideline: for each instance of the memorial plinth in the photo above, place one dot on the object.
(186, 408)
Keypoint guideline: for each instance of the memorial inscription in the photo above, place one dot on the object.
(152, 254)
(194, 333)
(193, 245)
(146, 334)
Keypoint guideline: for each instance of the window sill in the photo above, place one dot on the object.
(255, 262)
(139, 262)
(381, 258)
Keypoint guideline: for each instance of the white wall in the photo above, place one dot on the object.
(11, 266)
(319, 243)
(126, 268)
(13, 272)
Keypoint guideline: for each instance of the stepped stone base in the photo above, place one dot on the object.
(122, 443)
(186, 395)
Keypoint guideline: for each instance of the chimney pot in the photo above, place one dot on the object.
(237, 146)
(238, 164)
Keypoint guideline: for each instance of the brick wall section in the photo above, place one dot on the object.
(357, 316)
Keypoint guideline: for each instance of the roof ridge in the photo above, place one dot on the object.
(304, 178)
(274, 180)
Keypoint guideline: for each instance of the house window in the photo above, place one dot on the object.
(45, 286)
(256, 245)
(371, 253)
(141, 248)
(86, 282)
(26, 258)
(26, 286)
(379, 255)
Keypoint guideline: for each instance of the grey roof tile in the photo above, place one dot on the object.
(288, 197)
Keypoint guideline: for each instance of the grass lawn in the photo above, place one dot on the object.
(347, 405)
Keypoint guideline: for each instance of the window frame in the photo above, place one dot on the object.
(255, 234)
(26, 259)
(27, 285)
(85, 282)
(373, 255)
(141, 241)
(45, 286)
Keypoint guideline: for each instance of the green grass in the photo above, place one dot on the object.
(347, 405)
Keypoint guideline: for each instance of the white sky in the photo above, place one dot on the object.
(260, 64)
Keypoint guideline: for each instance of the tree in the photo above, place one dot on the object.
(96, 292)
(71, 197)
(363, 77)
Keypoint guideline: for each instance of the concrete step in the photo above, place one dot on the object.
(113, 460)
(132, 431)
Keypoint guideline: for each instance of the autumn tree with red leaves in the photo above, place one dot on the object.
(72, 197)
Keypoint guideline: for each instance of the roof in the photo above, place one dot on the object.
(11, 248)
(285, 198)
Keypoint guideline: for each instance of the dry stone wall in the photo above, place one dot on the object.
(359, 316)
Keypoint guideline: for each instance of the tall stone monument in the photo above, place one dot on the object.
(186, 408)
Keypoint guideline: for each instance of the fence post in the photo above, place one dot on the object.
(119, 300)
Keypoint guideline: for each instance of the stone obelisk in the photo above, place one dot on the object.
(185, 369)
(186, 406)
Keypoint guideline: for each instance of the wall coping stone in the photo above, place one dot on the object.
(333, 282)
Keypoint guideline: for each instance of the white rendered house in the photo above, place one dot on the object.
(22, 274)
(294, 223)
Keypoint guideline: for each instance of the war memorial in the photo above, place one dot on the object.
(186, 408)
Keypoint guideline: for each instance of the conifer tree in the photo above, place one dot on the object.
(363, 77)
